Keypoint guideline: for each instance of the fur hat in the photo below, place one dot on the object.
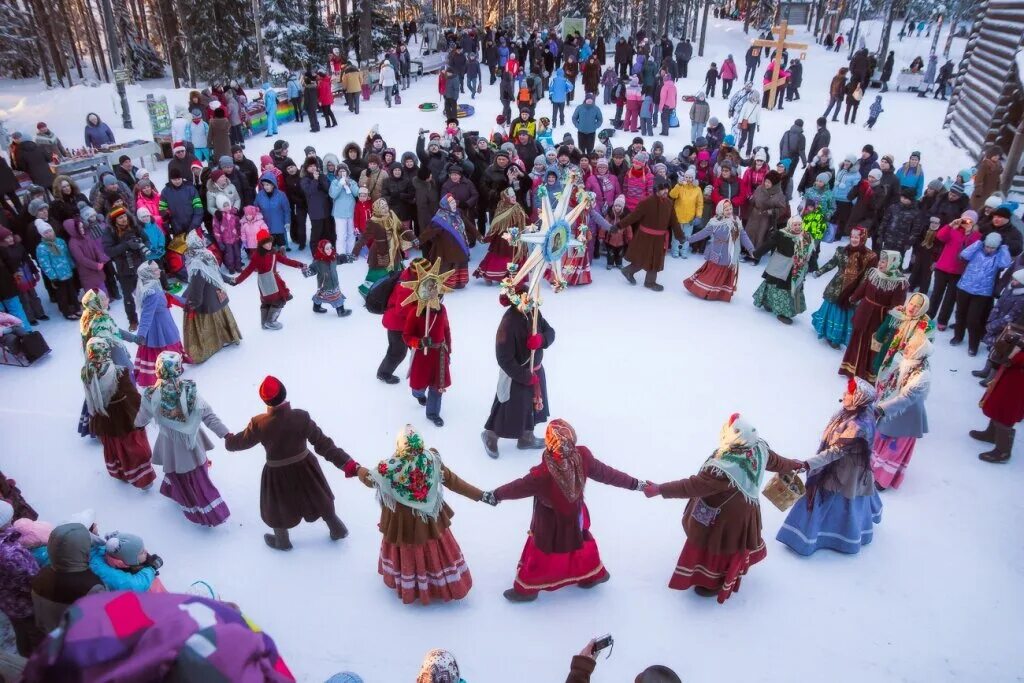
(272, 392)
(773, 177)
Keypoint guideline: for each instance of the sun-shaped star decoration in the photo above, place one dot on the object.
(547, 244)
(427, 287)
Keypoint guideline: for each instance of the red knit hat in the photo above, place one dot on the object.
(263, 236)
(272, 392)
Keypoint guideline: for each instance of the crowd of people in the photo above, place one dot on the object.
(917, 254)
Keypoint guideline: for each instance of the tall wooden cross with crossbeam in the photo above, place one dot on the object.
(779, 44)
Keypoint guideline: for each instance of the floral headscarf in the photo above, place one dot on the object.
(563, 460)
(96, 320)
(200, 261)
(386, 218)
(412, 476)
(892, 278)
(913, 361)
(439, 666)
(148, 282)
(177, 396)
(908, 326)
(99, 376)
(803, 245)
(741, 456)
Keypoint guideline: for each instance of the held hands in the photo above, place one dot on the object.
(652, 490)
(364, 476)
(488, 497)
(535, 342)
(641, 484)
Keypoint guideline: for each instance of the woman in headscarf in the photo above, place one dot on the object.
(419, 557)
(157, 331)
(182, 445)
(209, 324)
(388, 242)
(723, 518)
(112, 402)
(716, 279)
(901, 324)
(782, 291)
(841, 505)
(439, 666)
(560, 550)
(833, 321)
(508, 216)
(883, 288)
(902, 419)
(447, 239)
(96, 322)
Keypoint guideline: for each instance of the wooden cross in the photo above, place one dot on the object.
(779, 44)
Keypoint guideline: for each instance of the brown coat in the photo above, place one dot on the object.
(379, 256)
(402, 526)
(986, 181)
(439, 244)
(655, 218)
(219, 138)
(121, 411)
(738, 526)
(765, 207)
(838, 86)
(297, 490)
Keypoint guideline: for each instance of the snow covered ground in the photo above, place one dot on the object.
(646, 379)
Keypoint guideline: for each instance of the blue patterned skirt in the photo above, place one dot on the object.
(833, 323)
(836, 522)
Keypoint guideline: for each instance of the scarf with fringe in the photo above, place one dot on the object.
(411, 477)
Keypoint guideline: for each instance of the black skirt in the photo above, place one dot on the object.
(509, 420)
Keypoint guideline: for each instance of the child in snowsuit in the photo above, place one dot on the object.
(874, 111)
(544, 135)
(325, 267)
(364, 205)
(616, 239)
(251, 225)
(711, 80)
(226, 230)
(54, 259)
(123, 564)
(647, 116)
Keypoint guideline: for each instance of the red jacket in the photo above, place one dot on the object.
(326, 95)
(731, 190)
(262, 262)
(395, 315)
(430, 367)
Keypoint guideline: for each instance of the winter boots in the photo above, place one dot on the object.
(999, 434)
(342, 311)
(986, 373)
(336, 527)
(651, 282)
(278, 540)
(388, 379)
(270, 319)
(490, 440)
(317, 308)
(512, 595)
(527, 442)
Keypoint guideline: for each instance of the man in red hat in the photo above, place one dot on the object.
(293, 487)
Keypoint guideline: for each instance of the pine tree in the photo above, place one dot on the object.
(222, 39)
(317, 36)
(140, 57)
(285, 35)
(378, 33)
(18, 54)
(609, 22)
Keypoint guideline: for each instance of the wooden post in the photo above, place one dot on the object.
(779, 44)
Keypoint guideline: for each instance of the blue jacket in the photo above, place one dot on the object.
(647, 108)
(844, 183)
(502, 55)
(98, 135)
(586, 51)
(119, 579)
(294, 90)
(57, 266)
(269, 99)
(184, 207)
(318, 201)
(344, 202)
(560, 87)
(155, 240)
(979, 277)
(587, 118)
(277, 213)
(913, 180)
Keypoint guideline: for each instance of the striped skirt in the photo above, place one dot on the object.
(890, 458)
(427, 572)
(712, 282)
(196, 495)
(145, 362)
(721, 573)
(541, 571)
(128, 458)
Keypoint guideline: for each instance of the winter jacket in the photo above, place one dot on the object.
(605, 188)
(824, 200)
(325, 96)
(17, 569)
(901, 226)
(647, 108)
(637, 186)
(98, 135)
(156, 240)
(344, 194)
(845, 181)
(822, 139)
(127, 250)
(793, 144)
(32, 160)
(979, 276)
(137, 579)
(89, 257)
(954, 241)
(387, 75)
(688, 200)
(318, 201)
(51, 144)
(401, 196)
(912, 178)
(728, 71)
(213, 191)
(669, 97)
(54, 259)
(219, 137)
(559, 88)
(700, 111)
(1009, 308)
(275, 209)
(197, 133)
(587, 118)
(181, 208)
(250, 226)
(226, 228)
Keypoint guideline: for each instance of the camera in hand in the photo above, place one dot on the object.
(605, 642)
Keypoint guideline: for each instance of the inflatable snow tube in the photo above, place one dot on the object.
(428, 106)
(466, 110)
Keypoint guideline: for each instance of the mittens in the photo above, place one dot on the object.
(488, 497)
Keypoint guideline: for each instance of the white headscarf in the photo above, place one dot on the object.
(200, 261)
(149, 282)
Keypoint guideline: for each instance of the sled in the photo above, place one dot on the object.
(427, 106)
(466, 110)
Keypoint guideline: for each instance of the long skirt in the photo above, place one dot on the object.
(372, 275)
(493, 267)
(833, 323)
(779, 300)
(145, 362)
(890, 458)
(712, 282)
(128, 458)
(208, 333)
(435, 570)
(459, 278)
(722, 573)
(835, 522)
(575, 267)
(198, 498)
(541, 571)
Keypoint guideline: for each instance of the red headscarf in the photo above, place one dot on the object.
(563, 462)
(321, 251)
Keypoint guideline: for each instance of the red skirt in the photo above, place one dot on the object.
(541, 571)
(459, 278)
(1003, 400)
(145, 362)
(722, 573)
(128, 458)
(435, 570)
(712, 282)
(493, 267)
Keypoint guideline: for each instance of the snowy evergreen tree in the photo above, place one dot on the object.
(380, 33)
(222, 39)
(140, 57)
(285, 35)
(19, 57)
(318, 38)
(608, 21)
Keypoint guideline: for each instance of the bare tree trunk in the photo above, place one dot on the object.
(100, 48)
(365, 30)
(68, 25)
(86, 21)
(143, 21)
(44, 19)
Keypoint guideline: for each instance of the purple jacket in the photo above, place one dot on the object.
(717, 250)
(89, 259)
(605, 188)
(17, 569)
(156, 326)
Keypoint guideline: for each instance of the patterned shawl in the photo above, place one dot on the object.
(856, 423)
(892, 278)
(99, 376)
(508, 214)
(96, 320)
(177, 396)
(451, 222)
(439, 666)
(563, 459)
(148, 282)
(386, 218)
(741, 457)
(411, 477)
(803, 245)
(200, 261)
(913, 363)
(908, 327)
(856, 261)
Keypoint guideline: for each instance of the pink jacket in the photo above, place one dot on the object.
(728, 70)
(669, 97)
(226, 229)
(605, 188)
(251, 226)
(637, 187)
(152, 204)
(953, 242)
